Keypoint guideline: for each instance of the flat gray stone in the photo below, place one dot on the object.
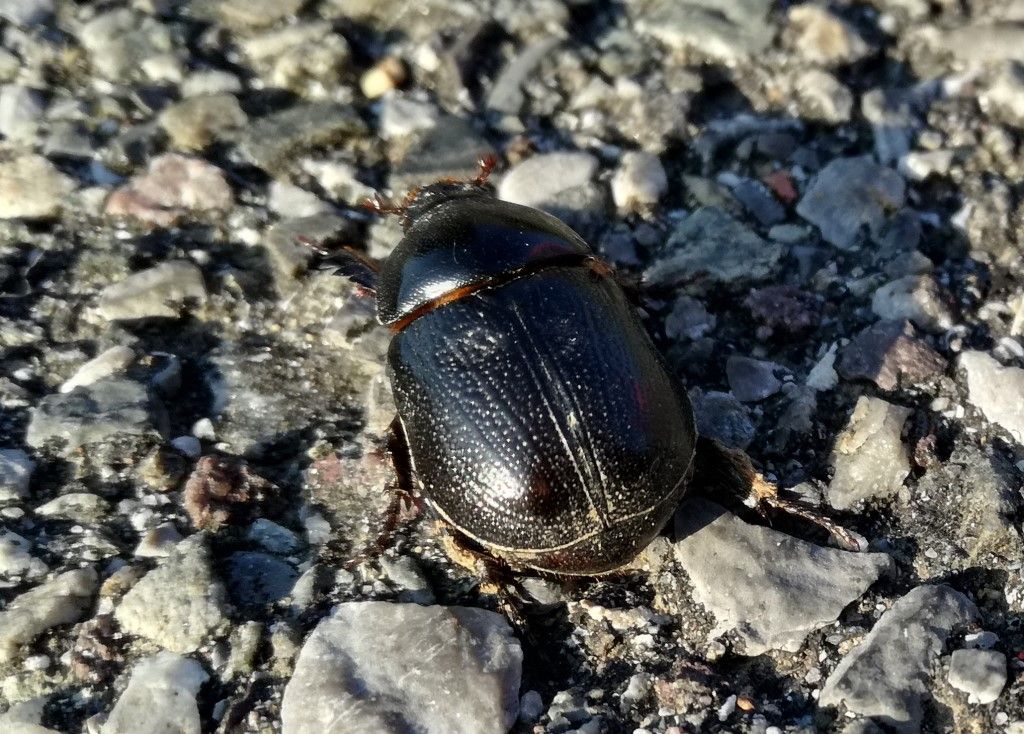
(848, 195)
(770, 589)
(61, 600)
(196, 122)
(166, 290)
(452, 147)
(721, 416)
(21, 111)
(178, 604)
(988, 386)
(161, 696)
(256, 579)
(979, 673)
(120, 41)
(751, 380)
(710, 248)
(382, 668)
(723, 29)
(887, 675)
(96, 413)
(915, 298)
(869, 458)
(275, 141)
(32, 188)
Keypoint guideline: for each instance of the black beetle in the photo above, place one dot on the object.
(539, 419)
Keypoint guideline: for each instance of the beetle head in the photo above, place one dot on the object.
(421, 198)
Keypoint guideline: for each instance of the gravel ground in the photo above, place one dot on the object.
(822, 203)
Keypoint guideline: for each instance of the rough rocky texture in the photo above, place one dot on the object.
(710, 247)
(161, 696)
(804, 178)
(178, 604)
(356, 663)
(867, 191)
(161, 291)
(172, 188)
(870, 459)
(989, 387)
(31, 188)
(61, 600)
(979, 673)
(96, 413)
(887, 675)
(769, 589)
(888, 353)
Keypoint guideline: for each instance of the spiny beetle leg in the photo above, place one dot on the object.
(719, 469)
(404, 506)
(496, 577)
(344, 260)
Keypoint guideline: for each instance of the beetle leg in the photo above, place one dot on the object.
(403, 499)
(720, 468)
(495, 576)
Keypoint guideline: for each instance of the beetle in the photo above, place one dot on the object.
(540, 422)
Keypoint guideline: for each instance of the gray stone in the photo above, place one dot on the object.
(721, 416)
(559, 183)
(848, 195)
(869, 458)
(639, 181)
(823, 97)
(506, 96)
(257, 401)
(889, 353)
(988, 386)
(400, 116)
(196, 122)
(918, 165)
(273, 537)
(893, 122)
(15, 474)
(105, 364)
(452, 147)
(80, 507)
(16, 557)
(174, 187)
(723, 29)
(465, 679)
(751, 380)
(275, 141)
(256, 579)
(96, 413)
(1004, 94)
(979, 673)
(756, 199)
(289, 200)
(209, 82)
(984, 42)
(248, 14)
(914, 298)
(302, 57)
(32, 188)
(771, 590)
(158, 542)
(887, 675)
(61, 600)
(26, 717)
(822, 37)
(711, 248)
(21, 111)
(162, 291)
(120, 42)
(688, 319)
(161, 696)
(179, 604)
(26, 13)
